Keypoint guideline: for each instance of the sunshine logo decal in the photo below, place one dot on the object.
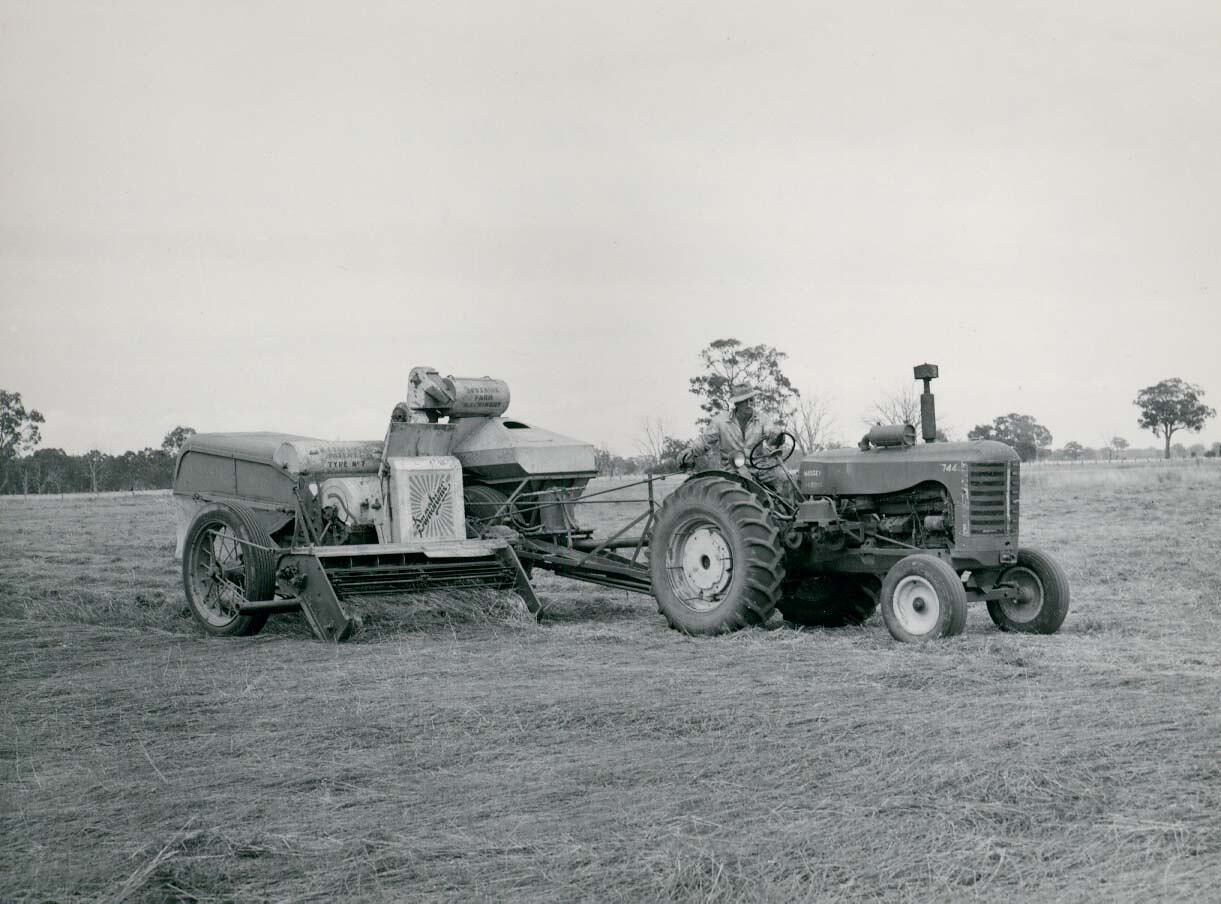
(437, 498)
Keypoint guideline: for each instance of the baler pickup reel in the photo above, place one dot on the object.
(425, 526)
(319, 579)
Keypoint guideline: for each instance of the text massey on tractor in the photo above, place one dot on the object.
(271, 522)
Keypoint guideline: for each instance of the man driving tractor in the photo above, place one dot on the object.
(734, 434)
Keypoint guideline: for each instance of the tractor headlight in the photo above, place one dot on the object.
(739, 460)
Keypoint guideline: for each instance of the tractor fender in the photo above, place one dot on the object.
(746, 483)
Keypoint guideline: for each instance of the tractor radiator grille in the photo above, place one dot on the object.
(413, 573)
(992, 491)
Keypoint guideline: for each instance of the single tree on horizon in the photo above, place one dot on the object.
(1170, 406)
(19, 434)
(175, 438)
(728, 365)
(1021, 431)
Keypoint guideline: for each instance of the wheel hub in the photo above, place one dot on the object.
(219, 563)
(702, 566)
(916, 605)
(1030, 595)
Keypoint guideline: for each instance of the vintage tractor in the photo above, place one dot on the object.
(919, 530)
(271, 522)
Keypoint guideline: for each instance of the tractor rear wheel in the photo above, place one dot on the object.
(830, 601)
(922, 598)
(224, 566)
(715, 558)
(1043, 586)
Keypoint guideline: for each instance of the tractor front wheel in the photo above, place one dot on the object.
(1043, 588)
(922, 599)
(715, 558)
(227, 559)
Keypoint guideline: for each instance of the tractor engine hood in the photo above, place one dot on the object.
(852, 472)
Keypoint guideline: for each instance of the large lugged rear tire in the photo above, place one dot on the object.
(223, 565)
(830, 601)
(922, 599)
(1045, 595)
(715, 558)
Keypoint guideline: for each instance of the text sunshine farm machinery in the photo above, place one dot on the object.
(456, 496)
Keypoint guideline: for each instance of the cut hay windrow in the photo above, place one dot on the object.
(382, 615)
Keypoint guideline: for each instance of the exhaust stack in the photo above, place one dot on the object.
(928, 412)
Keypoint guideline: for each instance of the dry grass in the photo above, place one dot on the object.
(600, 756)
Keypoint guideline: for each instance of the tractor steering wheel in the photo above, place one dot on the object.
(772, 457)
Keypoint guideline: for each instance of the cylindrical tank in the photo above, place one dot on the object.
(893, 435)
(314, 457)
(477, 396)
(428, 391)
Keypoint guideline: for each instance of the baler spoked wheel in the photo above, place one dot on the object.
(715, 558)
(223, 565)
(833, 601)
(1043, 586)
(922, 599)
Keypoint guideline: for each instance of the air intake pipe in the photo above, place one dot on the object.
(928, 411)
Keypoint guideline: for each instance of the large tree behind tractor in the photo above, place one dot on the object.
(457, 496)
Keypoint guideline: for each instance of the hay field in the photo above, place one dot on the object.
(452, 755)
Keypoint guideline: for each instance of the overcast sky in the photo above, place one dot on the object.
(246, 216)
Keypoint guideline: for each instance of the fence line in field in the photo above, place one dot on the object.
(84, 494)
(1126, 463)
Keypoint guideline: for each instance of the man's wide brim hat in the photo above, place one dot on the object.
(741, 395)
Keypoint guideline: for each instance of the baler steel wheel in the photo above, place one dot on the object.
(226, 561)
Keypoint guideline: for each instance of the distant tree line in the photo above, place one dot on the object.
(1166, 408)
(24, 469)
(1075, 451)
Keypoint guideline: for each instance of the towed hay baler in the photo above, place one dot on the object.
(273, 522)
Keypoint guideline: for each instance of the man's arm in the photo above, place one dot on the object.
(710, 436)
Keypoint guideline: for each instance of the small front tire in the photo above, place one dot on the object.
(922, 599)
(1043, 586)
